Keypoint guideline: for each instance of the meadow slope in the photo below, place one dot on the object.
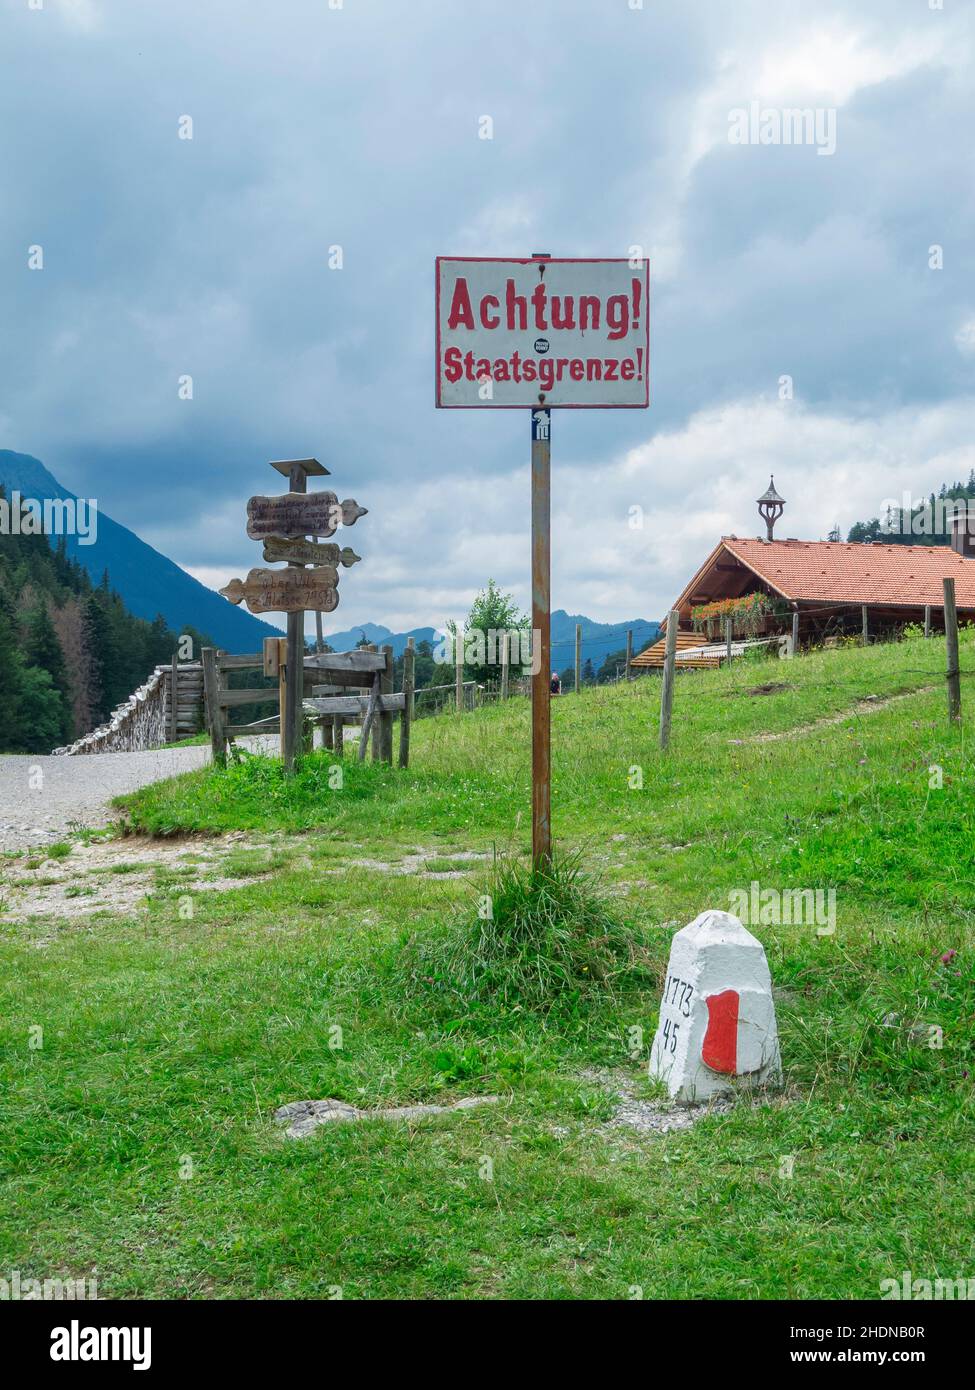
(138, 1142)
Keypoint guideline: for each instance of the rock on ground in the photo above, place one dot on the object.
(303, 1117)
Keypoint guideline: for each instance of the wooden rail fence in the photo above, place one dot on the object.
(338, 689)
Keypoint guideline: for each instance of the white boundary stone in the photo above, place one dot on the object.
(717, 1032)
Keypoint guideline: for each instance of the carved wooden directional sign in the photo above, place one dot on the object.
(285, 591)
(309, 552)
(296, 514)
(285, 524)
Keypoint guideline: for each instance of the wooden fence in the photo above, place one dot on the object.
(338, 689)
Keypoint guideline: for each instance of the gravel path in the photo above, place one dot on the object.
(43, 797)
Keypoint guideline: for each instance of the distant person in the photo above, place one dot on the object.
(556, 686)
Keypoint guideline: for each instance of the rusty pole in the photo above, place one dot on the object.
(542, 639)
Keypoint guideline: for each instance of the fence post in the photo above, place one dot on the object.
(306, 723)
(629, 651)
(863, 617)
(727, 640)
(406, 718)
(377, 738)
(386, 720)
(459, 669)
(951, 652)
(174, 699)
(211, 690)
(927, 620)
(282, 690)
(505, 652)
(578, 655)
(795, 633)
(667, 685)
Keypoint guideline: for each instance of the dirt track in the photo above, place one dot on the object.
(43, 797)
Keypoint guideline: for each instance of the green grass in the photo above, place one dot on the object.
(166, 1037)
(192, 741)
(543, 939)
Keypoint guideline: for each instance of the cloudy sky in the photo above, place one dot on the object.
(318, 124)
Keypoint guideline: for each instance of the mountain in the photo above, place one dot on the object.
(598, 639)
(375, 632)
(148, 582)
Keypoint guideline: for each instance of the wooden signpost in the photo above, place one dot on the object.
(285, 524)
(298, 514)
(309, 552)
(286, 591)
(533, 333)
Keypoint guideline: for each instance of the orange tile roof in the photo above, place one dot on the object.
(841, 572)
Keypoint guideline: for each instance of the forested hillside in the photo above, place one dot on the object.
(69, 650)
(921, 525)
(148, 582)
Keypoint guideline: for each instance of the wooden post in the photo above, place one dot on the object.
(370, 715)
(927, 620)
(505, 654)
(629, 651)
(863, 617)
(174, 699)
(727, 639)
(459, 670)
(951, 652)
(290, 729)
(377, 742)
(386, 719)
(211, 690)
(319, 639)
(292, 708)
(406, 718)
(795, 633)
(667, 685)
(306, 724)
(578, 656)
(338, 734)
(282, 690)
(541, 637)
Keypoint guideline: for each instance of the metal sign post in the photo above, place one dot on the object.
(541, 637)
(540, 333)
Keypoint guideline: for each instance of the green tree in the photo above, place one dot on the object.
(492, 612)
(42, 712)
(43, 651)
(11, 683)
(610, 668)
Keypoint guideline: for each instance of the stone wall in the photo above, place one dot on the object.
(145, 719)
